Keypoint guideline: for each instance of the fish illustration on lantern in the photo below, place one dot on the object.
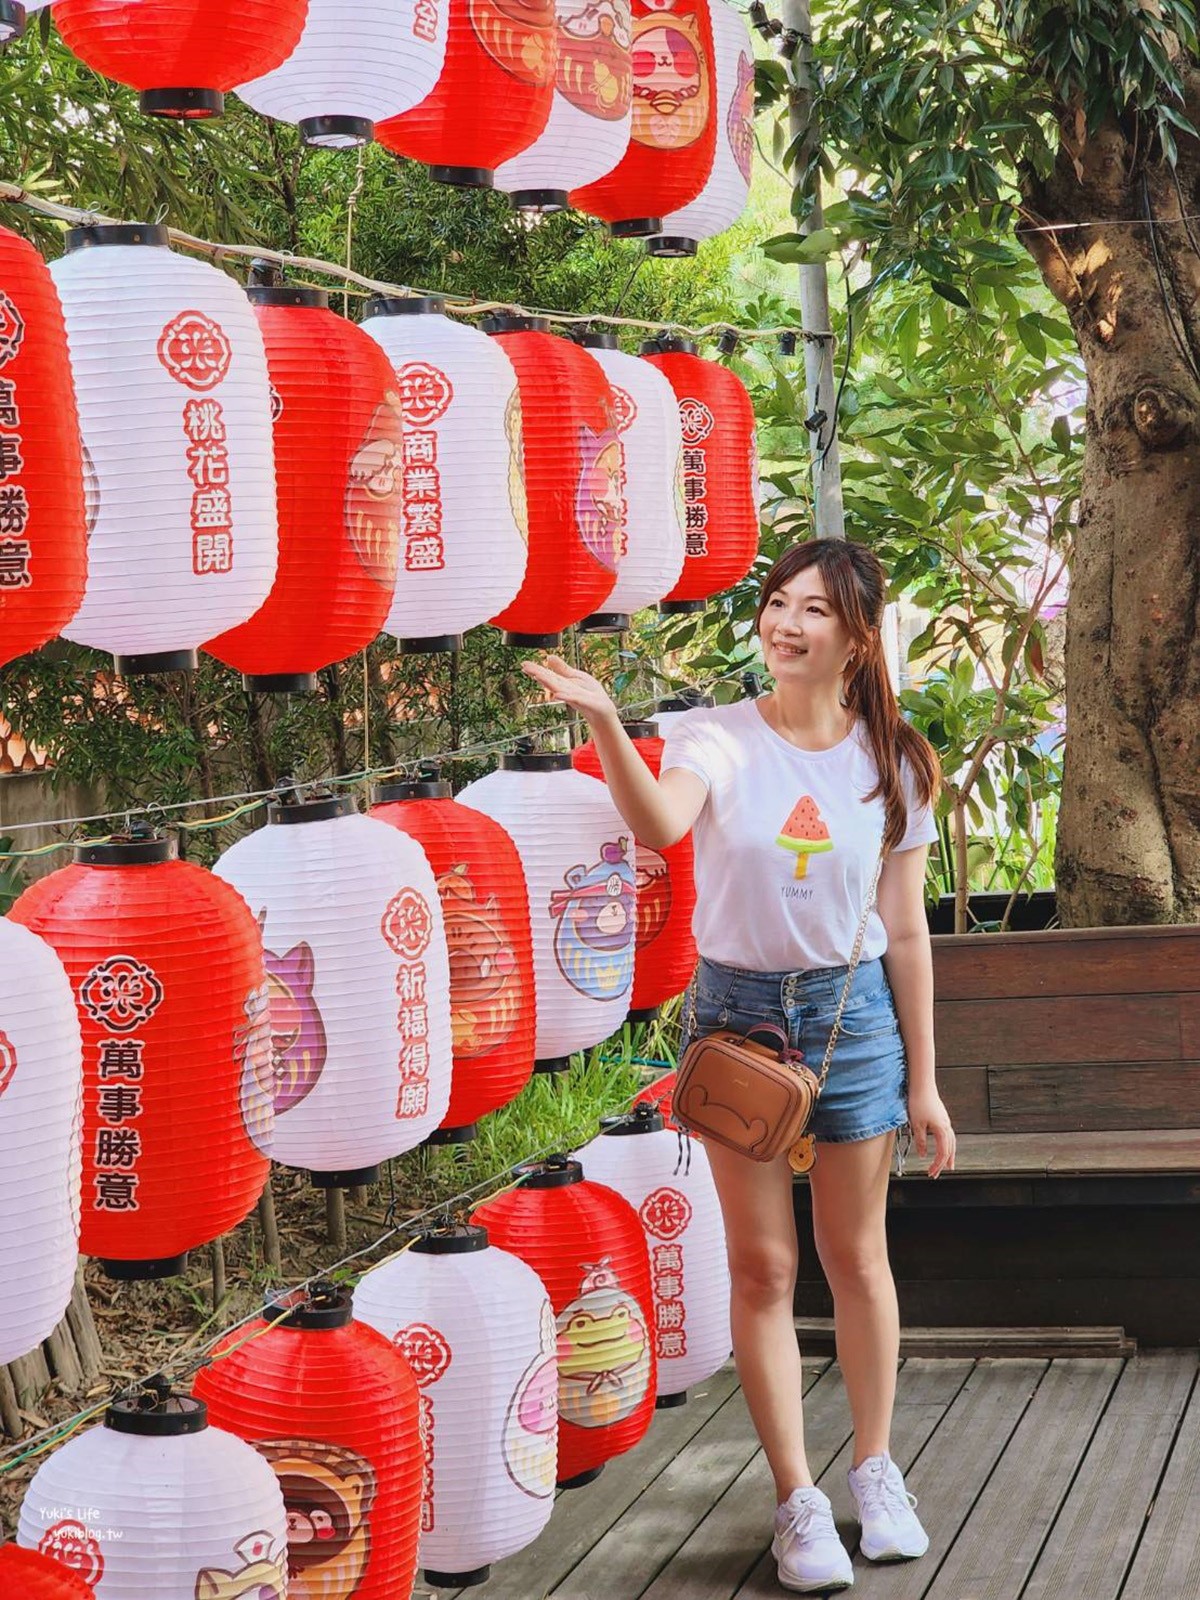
(603, 1352)
(531, 1425)
(594, 939)
(485, 978)
(672, 76)
(739, 121)
(519, 35)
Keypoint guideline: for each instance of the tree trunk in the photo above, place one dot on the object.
(1129, 830)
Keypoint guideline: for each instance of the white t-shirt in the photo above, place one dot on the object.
(785, 847)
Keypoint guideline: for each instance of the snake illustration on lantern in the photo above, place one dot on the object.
(339, 449)
(29, 1575)
(465, 524)
(477, 1328)
(183, 55)
(43, 526)
(167, 967)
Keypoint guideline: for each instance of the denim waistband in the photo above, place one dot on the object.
(808, 985)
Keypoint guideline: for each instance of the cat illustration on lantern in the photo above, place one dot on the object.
(603, 1352)
(485, 979)
(298, 1046)
(328, 1492)
(672, 77)
(593, 943)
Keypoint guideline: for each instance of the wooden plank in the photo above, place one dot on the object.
(1029, 1032)
(965, 1093)
(1101, 961)
(1102, 1518)
(1144, 1150)
(1154, 1311)
(1167, 1564)
(817, 1333)
(1091, 1096)
(995, 1551)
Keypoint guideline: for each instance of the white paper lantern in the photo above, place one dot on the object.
(592, 114)
(667, 1180)
(723, 199)
(175, 412)
(578, 857)
(358, 61)
(464, 534)
(153, 1504)
(359, 985)
(40, 1076)
(477, 1328)
(647, 417)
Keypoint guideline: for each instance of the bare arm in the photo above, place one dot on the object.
(659, 812)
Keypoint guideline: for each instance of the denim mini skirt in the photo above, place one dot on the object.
(865, 1093)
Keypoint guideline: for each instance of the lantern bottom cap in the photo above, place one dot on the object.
(140, 666)
(344, 1180)
(670, 244)
(337, 133)
(680, 608)
(533, 641)
(464, 177)
(135, 1271)
(539, 199)
(12, 20)
(553, 1064)
(667, 1402)
(604, 622)
(433, 644)
(187, 104)
(456, 1580)
(635, 227)
(463, 1134)
(581, 1478)
(279, 682)
(643, 1014)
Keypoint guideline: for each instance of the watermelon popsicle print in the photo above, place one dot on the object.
(805, 833)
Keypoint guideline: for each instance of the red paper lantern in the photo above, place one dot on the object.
(720, 473)
(26, 1575)
(574, 467)
(485, 907)
(43, 532)
(182, 54)
(670, 152)
(334, 1408)
(494, 95)
(587, 1246)
(167, 966)
(664, 950)
(338, 450)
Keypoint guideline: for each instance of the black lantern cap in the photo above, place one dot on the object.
(547, 201)
(604, 622)
(509, 322)
(320, 810)
(405, 305)
(464, 177)
(670, 345)
(137, 848)
(671, 246)
(641, 729)
(426, 786)
(86, 238)
(456, 1240)
(591, 340)
(635, 227)
(432, 644)
(157, 1412)
(318, 1309)
(535, 761)
(642, 1119)
(680, 608)
(187, 105)
(555, 1172)
(287, 294)
(337, 132)
(685, 700)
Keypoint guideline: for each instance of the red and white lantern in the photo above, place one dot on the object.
(338, 449)
(674, 121)
(476, 1326)
(647, 419)
(586, 1244)
(493, 97)
(356, 64)
(30, 1576)
(665, 950)
(43, 530)
(574, 466)
(723, 199)
(358, 984)
(183, 55)
(579, 866)
(175, 413)
(666, 1178)
(485, 911)
(332, 1406)
(464, 522)
(166, 964)
(154, 1504)
(720, 472)
(40, 1077)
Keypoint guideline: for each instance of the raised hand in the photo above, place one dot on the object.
(571, 687)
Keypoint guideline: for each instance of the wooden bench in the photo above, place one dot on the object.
(1070, 1062)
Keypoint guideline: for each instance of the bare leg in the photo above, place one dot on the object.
(849, 1195)
(760, 1231)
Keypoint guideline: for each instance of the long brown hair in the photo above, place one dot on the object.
(857, 588)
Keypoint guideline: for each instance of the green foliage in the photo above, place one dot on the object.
(12, 876)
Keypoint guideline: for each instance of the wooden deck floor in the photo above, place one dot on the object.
(1070, 1479)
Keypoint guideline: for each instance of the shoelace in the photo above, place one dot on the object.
(886, 1495)
(801, 1518)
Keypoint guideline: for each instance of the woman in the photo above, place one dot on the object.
(790, 797)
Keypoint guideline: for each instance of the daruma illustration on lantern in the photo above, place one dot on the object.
(666, 1178)
(485, 912)
(28, 1575)
(175, 415)
(183, 55)
(465, 525)
(720, 480)
(333, 1407)
(578, 861)
(585, 1243)
(356, 64)
(358, 985)
(40, 1077)
(167, 968)
(156, 1502)
(339, 446)
(43, 529)
(476, 1326)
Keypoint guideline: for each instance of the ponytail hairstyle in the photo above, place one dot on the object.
(856, 584)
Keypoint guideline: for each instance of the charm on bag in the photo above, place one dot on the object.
(803, 1154)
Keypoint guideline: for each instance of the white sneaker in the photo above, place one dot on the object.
(812, 1559)
(891, 1530)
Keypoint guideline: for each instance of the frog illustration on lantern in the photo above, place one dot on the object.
(593, 943)
(603, 1352)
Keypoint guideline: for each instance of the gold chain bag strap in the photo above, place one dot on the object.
(755, 1098)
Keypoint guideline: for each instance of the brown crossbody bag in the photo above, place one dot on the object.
(756, 1098)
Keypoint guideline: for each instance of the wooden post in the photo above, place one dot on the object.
(270, 1228)
(216, 1254)
(83, 1329)
(10, 1411)
(335, 1218)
